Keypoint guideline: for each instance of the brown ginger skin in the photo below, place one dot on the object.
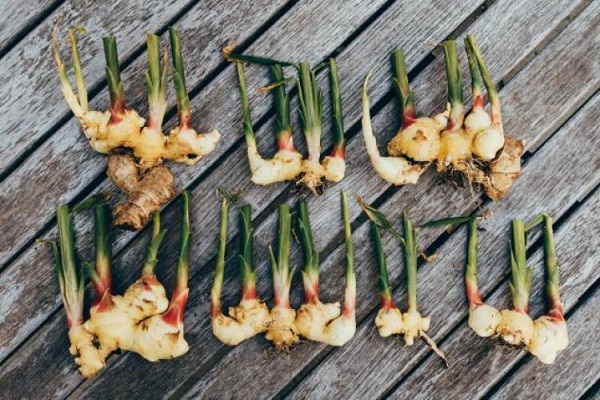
(502, 172)
(147, 190)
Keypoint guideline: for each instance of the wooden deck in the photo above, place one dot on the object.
(545, 58)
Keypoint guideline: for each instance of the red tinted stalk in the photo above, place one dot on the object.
(113, 77)
(215, 294)
(283, 129)
(471, 286)
(337, 119)
(282, 276)
(174, 315)
(385, 292)
(310, 270)
(406, 97)
(247, 273)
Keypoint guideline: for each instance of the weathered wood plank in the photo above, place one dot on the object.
(486, 362)
(236, 162)
(235, 180)
(441, 282)
(578, 368)
(17, 16)
(233, 364)
(320, 225)
(33, 104)
(40, 284)
(43, 192)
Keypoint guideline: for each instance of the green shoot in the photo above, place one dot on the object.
(521, 275)
(183, 100)
(247, 273)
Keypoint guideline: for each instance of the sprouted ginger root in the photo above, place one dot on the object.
(122, 128)
(142, 320)
(281, 329)
(251, 316)
(317, 321)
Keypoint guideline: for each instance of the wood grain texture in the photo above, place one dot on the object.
(321, 225)
(29, 366)
(17, 16)
(216, 106)
(208, 198)
(441, 287)
(236, 162)
(38, 88)
(43, 192)
(345, 364)
(40, 284)
(487, 362)
(227, 373)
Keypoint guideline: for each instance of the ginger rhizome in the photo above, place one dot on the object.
(474, 146)
(395, 170)
(390, 320)
(121, 127)
(483, 318)
(550, 334)
(251, 316)
(287, 164)
(282, 324)
(418, 138)
(325, 322)
(146, 190)
(141, 320)
(88, 356)
(499, 156)
(516, 326)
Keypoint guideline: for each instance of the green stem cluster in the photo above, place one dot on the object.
(455, 91)
(183, 100)
(156, 81)
(411, 253)
(247, 274)
(310, 110)
(337, 116)
(348, 238)
(310, 270)
(78, 102)
(475, 77)
(248, 130)
(521, 275)
(103, 249)
(283, 129)
(152, 253)
(282, 276)
(406, 97)
(215, 294)
(471, 46)
(552, 270)
(69, 274)
(385, 290)
(183, 260)
(77, 71)
(472, 288)
(113, 77)
(555, 306)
